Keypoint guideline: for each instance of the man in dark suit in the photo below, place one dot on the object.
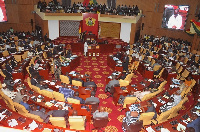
(34, 110)
(59, 113)
(151, 108)
(125, 62)
(92, 98)
(34, 80)
(118, 55)
(6, 73)
(76, 96)
(89, 83)
(155, 84)
(69, 54)
(31, 69)
(9, 67)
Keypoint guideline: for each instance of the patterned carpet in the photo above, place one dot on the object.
(97, 68)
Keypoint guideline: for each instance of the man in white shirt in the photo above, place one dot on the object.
(85, 48)
(175, 21)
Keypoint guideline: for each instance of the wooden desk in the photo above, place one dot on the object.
(73, 64)
(112, 64)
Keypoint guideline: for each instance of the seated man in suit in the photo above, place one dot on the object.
(31, 69)
(90, 83)
(195, 122)
(59, 113)
(76, 96)
(151, 108)
(155, 84)
(118, 55)
(131, 117)
(43, 86)
(100, 113)
(92, 98)
(34, 80)
(9, 67)
(111, 83)
(6, 73)
(34, 110)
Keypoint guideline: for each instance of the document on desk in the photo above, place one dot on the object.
(164, 130)
(12, 123)
(150, 129)
(2, 116)
(33, 125)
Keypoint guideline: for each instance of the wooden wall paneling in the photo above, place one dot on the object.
(5, 26)
(12, 13)
(102, 2)
(8, 1)
(76, 1)
(42, 23)
(132, 34)
(109, 29)
(25, 2)
(24, 27)
(25, 13)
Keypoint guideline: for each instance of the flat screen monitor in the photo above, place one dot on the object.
(174, 17)
(3, 16)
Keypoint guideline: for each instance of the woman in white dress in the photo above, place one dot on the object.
(85, 48)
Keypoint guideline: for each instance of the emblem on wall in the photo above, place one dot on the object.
(90, 21)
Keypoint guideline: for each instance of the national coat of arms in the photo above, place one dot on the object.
(90, 21)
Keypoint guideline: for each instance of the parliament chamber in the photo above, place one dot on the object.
(100, 65)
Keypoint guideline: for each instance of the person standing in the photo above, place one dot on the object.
(85, 48)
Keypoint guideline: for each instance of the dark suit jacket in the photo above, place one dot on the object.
(125, 63)
(7, 74)
(39, 86)
(33, 81)
(31, 70)
(152, 109)
(59, 113)
(89, 83)
(8, 68)
(82, 101)
(42, 115)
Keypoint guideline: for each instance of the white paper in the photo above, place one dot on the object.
(150, 129)
(52, 83)
(12, 123)
(33, 125)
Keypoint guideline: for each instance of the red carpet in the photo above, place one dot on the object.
(99, 71)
